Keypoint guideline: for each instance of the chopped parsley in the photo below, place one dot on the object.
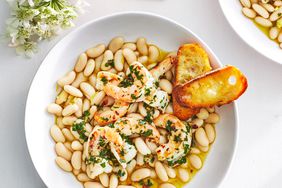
(79, 127)
(147, 133)
(146, 183)
(126, 138)
(110, 63)
(111, 125)
(120, 173)
(168, 126)
(104, 80)
(147, 92)
(127, 82)
(103, 164)
(177, 138)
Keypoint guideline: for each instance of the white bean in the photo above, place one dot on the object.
(96, 51)
(62, 97)
(124, 177)
(260, 10)
(68, 146)
(165, 85)
(106, 63)
(268, 7)
(129, 55)
(277, 3)
(169, 109)
(154, 53)
(198, 122)
(98, 61)
(143, 59)
(86, 105)
(142, 109)
(76, 145)
(78, 102)
(63, 164)
(250, 13)
(168, 75)
(113, 181)
(170, 171)
(62, 151)
(87, 90)
(141, 146)
(153, 174)
(57, 134)
(90, 66)
(92, 111)
(246, 3)
(73, 91)
(213, 118)
(79, 78)
(151, 145)
(161, 172)
(202, 148)
(75, 172)
(80, 63)
(195, 161)
(132, 108)
(104, 179)
(59, 122)
(92, 80)
(93, 185)
(118, 60)
(83, 165)
(98, 97)
(130, 45)
(76, 160)
(130, 166)
(203, 114)
(88, 128)
(140, 159)
(280, 37)
(201, 137)
(69, 120)
(82, 177)
(116, 43)
(137, 53)
(142, 46)
(195, 151)
(55, 109)
(140, 174)
(276, 14)
(135, 115)
(68, 135)
(67, 79)
(70, 109)
(183, 175)
(210, 132)
(166, 185)
(263, 21)
(273, 33)
(211, 109)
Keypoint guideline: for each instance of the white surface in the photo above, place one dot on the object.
(248, 31)
(93, 33)
(258, 160)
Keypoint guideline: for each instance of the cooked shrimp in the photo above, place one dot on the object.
(179, 139)
(106, 148)
(118, 110)
(162, 67)
(131, 89)
(159, 100)
(130, 126)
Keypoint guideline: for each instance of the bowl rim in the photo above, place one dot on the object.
(244, 39)
(109, 16)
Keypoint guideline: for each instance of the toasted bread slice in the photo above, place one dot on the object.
(217, 87)
(192, 61)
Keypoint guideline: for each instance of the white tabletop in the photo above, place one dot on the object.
(257, 162)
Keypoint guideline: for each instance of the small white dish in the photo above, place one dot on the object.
(249, 32)
(159, 30)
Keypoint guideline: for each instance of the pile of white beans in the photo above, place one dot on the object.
(75, 96)
(266, 13)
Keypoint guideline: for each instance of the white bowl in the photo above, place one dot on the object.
(249, 32)
(159, 30)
